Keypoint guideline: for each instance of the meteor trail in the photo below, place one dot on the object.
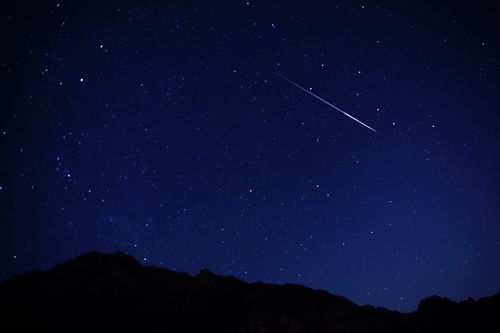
(326, 102)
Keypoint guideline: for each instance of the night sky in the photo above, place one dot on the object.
(163, 129)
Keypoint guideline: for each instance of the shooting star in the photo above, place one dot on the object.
(326, 102)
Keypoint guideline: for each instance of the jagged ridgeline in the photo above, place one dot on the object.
(113, 292)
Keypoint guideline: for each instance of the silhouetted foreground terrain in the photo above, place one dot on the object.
(97, 292)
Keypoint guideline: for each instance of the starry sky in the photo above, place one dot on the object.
(163, 130)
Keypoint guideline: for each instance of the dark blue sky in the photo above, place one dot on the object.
(160, 129)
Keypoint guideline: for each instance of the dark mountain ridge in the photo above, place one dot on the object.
(113, 291)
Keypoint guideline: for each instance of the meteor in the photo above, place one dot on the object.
(326, 102)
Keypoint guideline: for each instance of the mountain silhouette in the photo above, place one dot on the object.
(97, 292)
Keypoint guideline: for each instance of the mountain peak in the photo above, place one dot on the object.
(94, 262)
(114, 290)
(205, 272)
(436, 303)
